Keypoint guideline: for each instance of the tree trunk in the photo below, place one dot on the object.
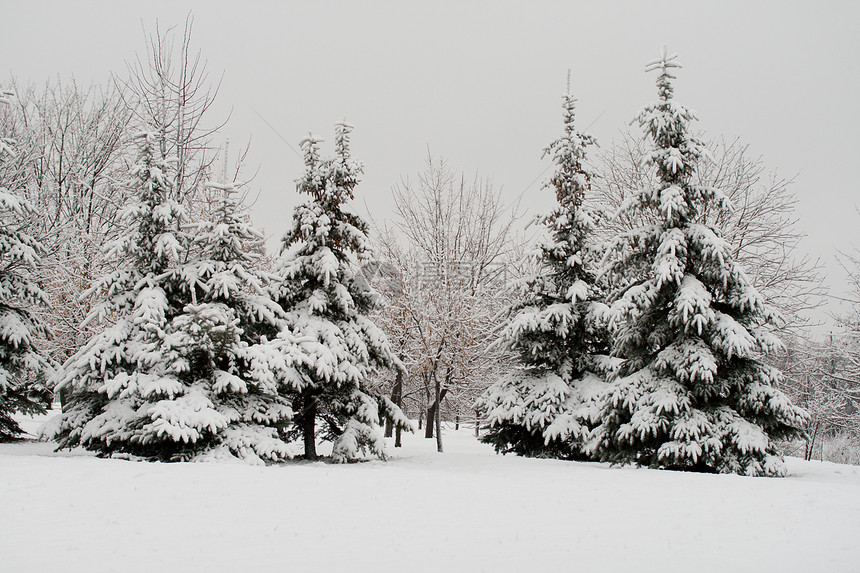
(397, 398)
(309, 418)
(399, 401)
(431, 412)
(438, 407)
(810, 442)
(431, 416)
(428, 429)
(477, 421)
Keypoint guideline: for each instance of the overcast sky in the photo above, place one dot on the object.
(479, 83)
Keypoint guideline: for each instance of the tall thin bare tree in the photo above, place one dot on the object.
(170, 92)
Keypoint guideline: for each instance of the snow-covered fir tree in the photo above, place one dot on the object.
(176, 374)
(22, 367)
(318, 289)
(554, 328)
(692, 392)
(221, 341)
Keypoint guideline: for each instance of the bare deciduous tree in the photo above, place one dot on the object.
(170, 93)
(824, 378)
(73, 154)
(815, 379)
(449, 242)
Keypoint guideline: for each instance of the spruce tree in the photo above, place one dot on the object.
(113, 380)
(692, 392)
(324, 299)
(221, 340)
(554, 327)
(22, 367)
(176, 374)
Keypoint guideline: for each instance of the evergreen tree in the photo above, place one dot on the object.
(22, 367)
(114, 379)
(324, 300)
(221, 340)
(692, 392)
(176, 375)
(539, 410)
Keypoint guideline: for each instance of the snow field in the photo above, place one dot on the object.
(465, 510)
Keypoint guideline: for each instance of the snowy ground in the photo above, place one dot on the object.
(465, 510)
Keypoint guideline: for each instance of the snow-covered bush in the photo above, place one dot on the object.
(692, 392)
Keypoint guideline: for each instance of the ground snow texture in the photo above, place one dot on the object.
(465, 510)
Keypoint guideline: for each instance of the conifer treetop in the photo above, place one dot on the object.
(665, 64)
(339, 188)
(230, 233)
(156, 241)
(572, 177)
(675, 155)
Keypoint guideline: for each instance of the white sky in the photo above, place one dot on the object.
(479, 83)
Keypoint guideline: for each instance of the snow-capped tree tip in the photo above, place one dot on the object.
(664, 62)
(310, 140)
